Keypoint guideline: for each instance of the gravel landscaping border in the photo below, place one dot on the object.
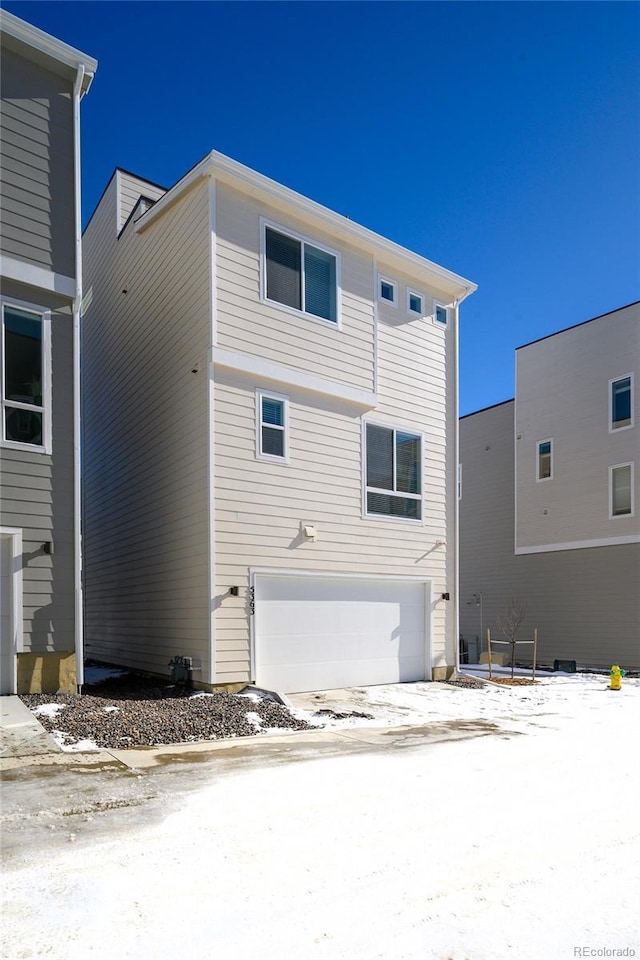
(135, 710)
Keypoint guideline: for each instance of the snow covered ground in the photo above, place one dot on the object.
(518, 846)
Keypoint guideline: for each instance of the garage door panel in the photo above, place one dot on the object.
(315, 648)
(317, 633)
(282, 618)
(294, 678)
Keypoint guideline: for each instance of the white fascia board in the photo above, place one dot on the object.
(278, 373)
(50, 46)
(579, 544)
(258, 186)
(34, 276)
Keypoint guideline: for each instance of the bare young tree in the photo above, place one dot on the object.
(509, 623)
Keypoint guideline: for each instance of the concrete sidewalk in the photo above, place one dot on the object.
(20, 733)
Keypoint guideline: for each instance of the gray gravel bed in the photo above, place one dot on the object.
(134, 712)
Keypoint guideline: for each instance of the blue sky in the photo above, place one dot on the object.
(501, 140)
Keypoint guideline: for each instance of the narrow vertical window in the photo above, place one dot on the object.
(272, 416)
(23, 376)
(621, 403)
(544, 459)
(414, 302)
(621, 490)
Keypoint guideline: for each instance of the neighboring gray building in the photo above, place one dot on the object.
(549, 507)
(43, 81)
(269, 438)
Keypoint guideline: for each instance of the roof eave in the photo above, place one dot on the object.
(236, 174)
(49, 46)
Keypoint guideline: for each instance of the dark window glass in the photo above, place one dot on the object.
(415, 303)
(407, 463)
(23, 426)
(621, 402)
(273, 411)
(284, 279)
(22, 357)
(441, 315)
(379, 457)
(386, 290)
(273, 441)
(390, 506)
(319, 283)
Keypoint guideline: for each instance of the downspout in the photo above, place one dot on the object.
(456, 460)
(77, 500)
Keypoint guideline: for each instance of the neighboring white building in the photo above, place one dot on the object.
(550, 506)
(42, 81)
(270, 410)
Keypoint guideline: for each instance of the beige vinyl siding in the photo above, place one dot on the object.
(36, 496)
(261, 329)
(584, 603)
(37, 178)
(563, 393)
(261, 505)
(130, 190)
(145, 435)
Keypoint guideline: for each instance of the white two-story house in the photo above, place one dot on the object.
(550, 496)
(270, 410)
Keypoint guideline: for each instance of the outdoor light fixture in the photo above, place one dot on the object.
(234, 591)
(446, 596)
(47, 547)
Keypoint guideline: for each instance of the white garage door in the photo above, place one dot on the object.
(320, 633)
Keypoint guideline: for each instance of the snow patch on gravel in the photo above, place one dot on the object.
(49, 710)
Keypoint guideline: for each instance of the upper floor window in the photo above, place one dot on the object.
(414, 302)
(393, 472)
(26, 405)
(544, 460)
(300, 275)
(272, 427)
(621, 490)
(440, 314)
(621, 403)
(387, 290)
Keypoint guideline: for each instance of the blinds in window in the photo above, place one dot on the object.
(379, 457)
(319, 283)
(284, 264)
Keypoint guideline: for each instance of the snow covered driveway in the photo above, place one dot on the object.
(517, 846)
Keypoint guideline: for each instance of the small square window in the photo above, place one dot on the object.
(440, 315)
(414, 302)
(387, 290)
(271, 426)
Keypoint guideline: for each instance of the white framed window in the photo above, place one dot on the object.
(392, 472)
(272, 426)
(299, 274)
(26, 376)
(387, 291)
(621, 403)
(544, 459)
(440, 314)
(415, 302)
(621, 499)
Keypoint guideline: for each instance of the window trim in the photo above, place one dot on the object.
(394, 287)
(301, 238)
(617, 466)
(411, 496)
(262, 393)
(631, 424)
(45, 316)
(539, 443)
(443, 306)
(421, 296)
